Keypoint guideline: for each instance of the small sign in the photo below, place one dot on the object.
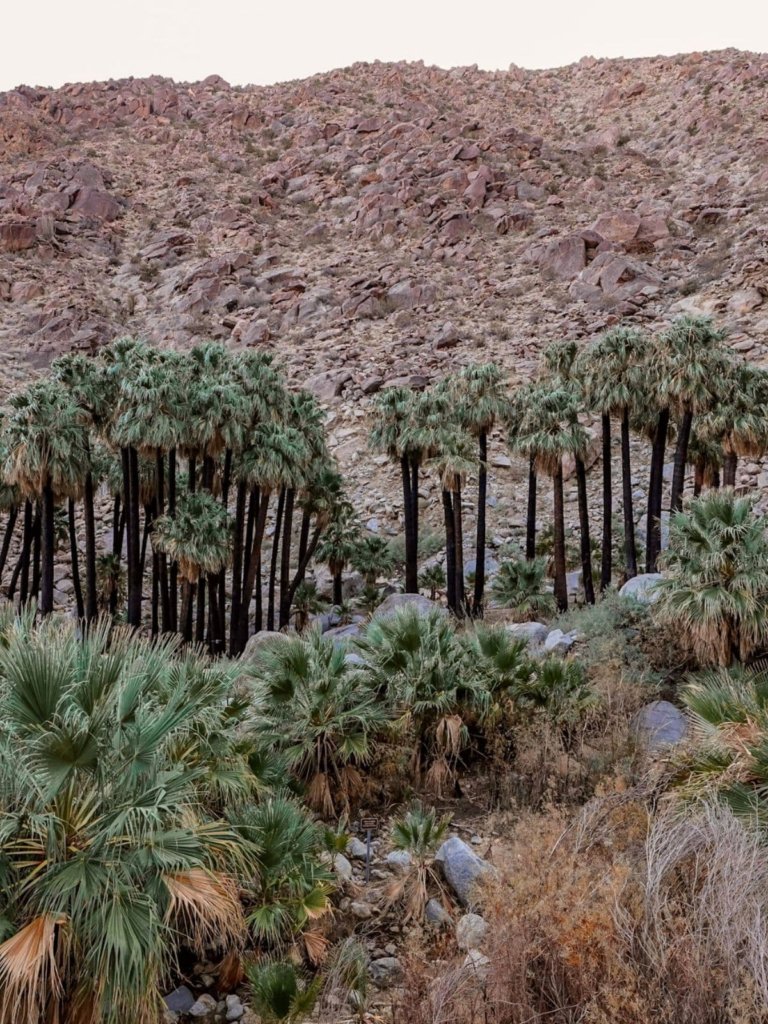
(369, 824)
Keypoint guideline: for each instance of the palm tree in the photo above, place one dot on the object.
(47, 457)
(372, 557)
(715, 585)
(519, 584)
(518, 407)
(483, 400)
(338, 546)
(612, 370)
(419, 833)
(281, 994)
(433, 580)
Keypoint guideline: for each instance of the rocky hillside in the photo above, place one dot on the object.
(385, 221)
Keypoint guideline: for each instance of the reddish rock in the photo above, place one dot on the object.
(617, 226)
(16, 236)
(562, 258)
(91, 202)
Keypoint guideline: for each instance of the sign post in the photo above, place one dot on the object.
(369, 824)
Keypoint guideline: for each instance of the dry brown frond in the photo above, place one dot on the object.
(205, 908)
(316, 946)
(319, 794)
(29, 972)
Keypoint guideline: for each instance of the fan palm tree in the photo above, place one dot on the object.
(715, 586)
(372, 557)
(339, 546)
(281, 993)
(520, 402)
(433, 580)
(420, 834)
(520, 584)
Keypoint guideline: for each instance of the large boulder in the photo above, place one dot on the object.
(256, 643)
(471, 929)
(642, 588)
(660, 725)
(534, 633)
(391, 605)
(462, 868)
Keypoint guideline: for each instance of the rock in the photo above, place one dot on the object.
(617, 226)
(447, 336)
(562, 259)
(385, 971)
(356, 849)
(462, 868)
(558, 642)
(204, 1009)
(361, 910)
(436, 914)
(642, 588)
(180, 1000)
(534, 633)
(392, 605)
(745, 301)
(342, 867)
(328, 385)
(471, 929)
(235, 1008)
(399, 862)
(477, 963)
(91, 202)
(17, 236)
(258, 640)
(660, 724)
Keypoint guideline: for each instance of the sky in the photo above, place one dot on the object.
(48, 42)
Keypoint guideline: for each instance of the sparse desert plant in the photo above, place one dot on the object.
(345, 981)
(419, 833)
(281, 993)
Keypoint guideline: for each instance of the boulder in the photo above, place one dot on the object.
(391, 605)
(342, 867)
(399, 862)
(477, 964)
(462, 868)
(534, 633)
(562, 258)
(356, 849)
(204, 1009)
(235, 1008)
(180, 1000)
(660, 724)
(385, 971)
(436, 914)
(617, 226)
(255, 642)
(471, 929)
(642, 588)
(558, 642)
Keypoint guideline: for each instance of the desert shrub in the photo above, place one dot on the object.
(520, 584)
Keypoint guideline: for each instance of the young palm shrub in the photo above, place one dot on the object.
(113, 756)
(715, 587)
(373, 558)
(291, 889)
(420, 834)
(415, 663)
(281, 993)
(433, 580)
(520, 585)
(321, 714)
(338, 546)
(306, 602)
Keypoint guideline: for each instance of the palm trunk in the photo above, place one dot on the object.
(337, 589)
(220, 640)
(91, 595)
(75, 559)
(273, 562)
(681, 458)
(482, 495)
(48, 542)
(191, 474)
(133, 530)
(586, 548)
(118, 527)
(530, 521)
(411, 567)
(253, 567)
(173, 596)
(26, 549)
(306, 518)
(630, 550)
(13, 514)
(459, 539)
(730, 463)
(187, 603)
(698, 478)
(415, 519)
(162, 560)
(450, 549)
(606, 564)
(36, 554)
(655, 490)
(285, 559)
(200, 624)
(237, 566)
(561, 585)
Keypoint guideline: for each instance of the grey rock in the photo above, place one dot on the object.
(477, 963)
(203, 1009)
(392, 605)
(342, 867)
(461, 867)
(534, 633)
(642, 588)
(385, 971)
(471, 929)
(436, 914)
(343, 634)
(491, 566)
(356, 848)
(180, 1000)
(399, 862)
(361, 910)
(235, 1008)
(558, 642)
(660, 724)
(258, 640)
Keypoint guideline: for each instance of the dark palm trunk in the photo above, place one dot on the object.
(698, 479)
(237, 565)
(450, 549)
(8, 537)
(200, 624)
(187, 604)
(21, 572)
(306, 519)
(161, 568)
(482, 494)
(173, 587)
(730, 463)
(459, 539)
(145, 539)
(655, 490)
(134, 545)
(337, 589)
(586, 549)
(192, 474)
(681, 458)
(91, 596)
(302, 568)
(253, 568)
(411, 560)
(606, 564)
(36, 554)
(285, 559)
(415, 516)
(715, 479)
(118, 527)
(561, 585)
(630, 550)
(530, 521)
(75, 559)
(220, 637)
(48, 543)
(214, 614)
(273, 561)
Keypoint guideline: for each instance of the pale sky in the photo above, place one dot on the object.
(49, 42)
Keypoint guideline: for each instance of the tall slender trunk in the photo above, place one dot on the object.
(220, 639)
(561, 585)
(74, 558)
(411, 559)
(415, 516)
(214, 614)
(715, 479)
(48, 543)
(698, 478)
(338, 595)
(134, 544)
(302, 568)
(191, 474)
(306, 519)
(730, 463)
(606, 563)
(254, 567)
(145, 539)
(450, 549)
(655, 491)
(237, 566)
(26, 549)
(173, 596)
(459, 538)
(285, 558)
(200, 624)
(91, 594)
(162, 560)
(118, 528)
(530, 519)
(273, 562)
(586, 548)
(187, 604)
(630, 550)
(13, 514)
(681, 458)
(36, 553)
(482, 495)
